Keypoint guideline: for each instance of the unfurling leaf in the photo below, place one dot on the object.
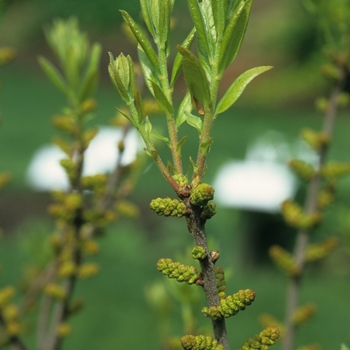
(185, 106)
(237, 88)
(163, 103)
(194, 121)
(53, 74)
(234, 33)
(195, 77)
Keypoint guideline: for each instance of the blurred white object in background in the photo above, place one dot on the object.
(46, 174)
(263, 180)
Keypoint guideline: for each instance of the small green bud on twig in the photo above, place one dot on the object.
(199, 253)
(200, 342)
(230, 305)
(178, 271)
(202, 194)
(168, 207)
(263, 340)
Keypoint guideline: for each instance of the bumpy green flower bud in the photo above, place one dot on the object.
(268, 320)
(325, 197)
(208, 211)
(180, 272)
(304, 170)
(181, 180)
(316, 140)
(294, 216)
(321, 250)
(202, 194)
(284, 260)
(263, 340)
(333, 170)
(200, 342)
(303, 314)
(199, 253)
(168, 207)
(230, 305)
(220, 281)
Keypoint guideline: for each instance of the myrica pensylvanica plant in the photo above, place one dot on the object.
(82, 211)
(322, 177)
(219, 28)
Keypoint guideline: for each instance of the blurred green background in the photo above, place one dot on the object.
(117, 316)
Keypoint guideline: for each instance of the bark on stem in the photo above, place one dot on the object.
(196, 226)
(294, 284)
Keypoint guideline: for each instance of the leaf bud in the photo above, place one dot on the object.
(121, 71)
(220, 281)
(333, 170)
(202, 194)
(88, 106)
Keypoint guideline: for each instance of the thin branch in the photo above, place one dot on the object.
(196, 227)
(294, 285)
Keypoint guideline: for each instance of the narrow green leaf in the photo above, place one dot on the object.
(199, 23)
(187, 43)
(147, 126)
(194, 121)
(195, 77)
(162, 101)
(139, 106)
(142, 40)
(237, 87)
(90, 80)
(234, 34)
(180, 145)
(146, 15)
(219, 9)
(53, 74)
(147, 69)
(207, 14)
(71, 67)
(132, 121)
(161, 137)
(205, 146)
(185, 106)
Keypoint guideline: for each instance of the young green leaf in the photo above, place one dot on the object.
(237, 87)
(234, 34)
(146, 15)
(147, 69)
(139, 106)
(132, 121)
(194, 121)
(142, 40)
(180, 145)
(90, 80)
(179, 58)
(195, 77)
(161, 137)
(219, 9)
(205, 146)
(185, 106)
(53, 74)
(199, 23)
(162, 101)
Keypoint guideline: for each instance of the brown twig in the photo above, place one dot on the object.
(196, 227)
